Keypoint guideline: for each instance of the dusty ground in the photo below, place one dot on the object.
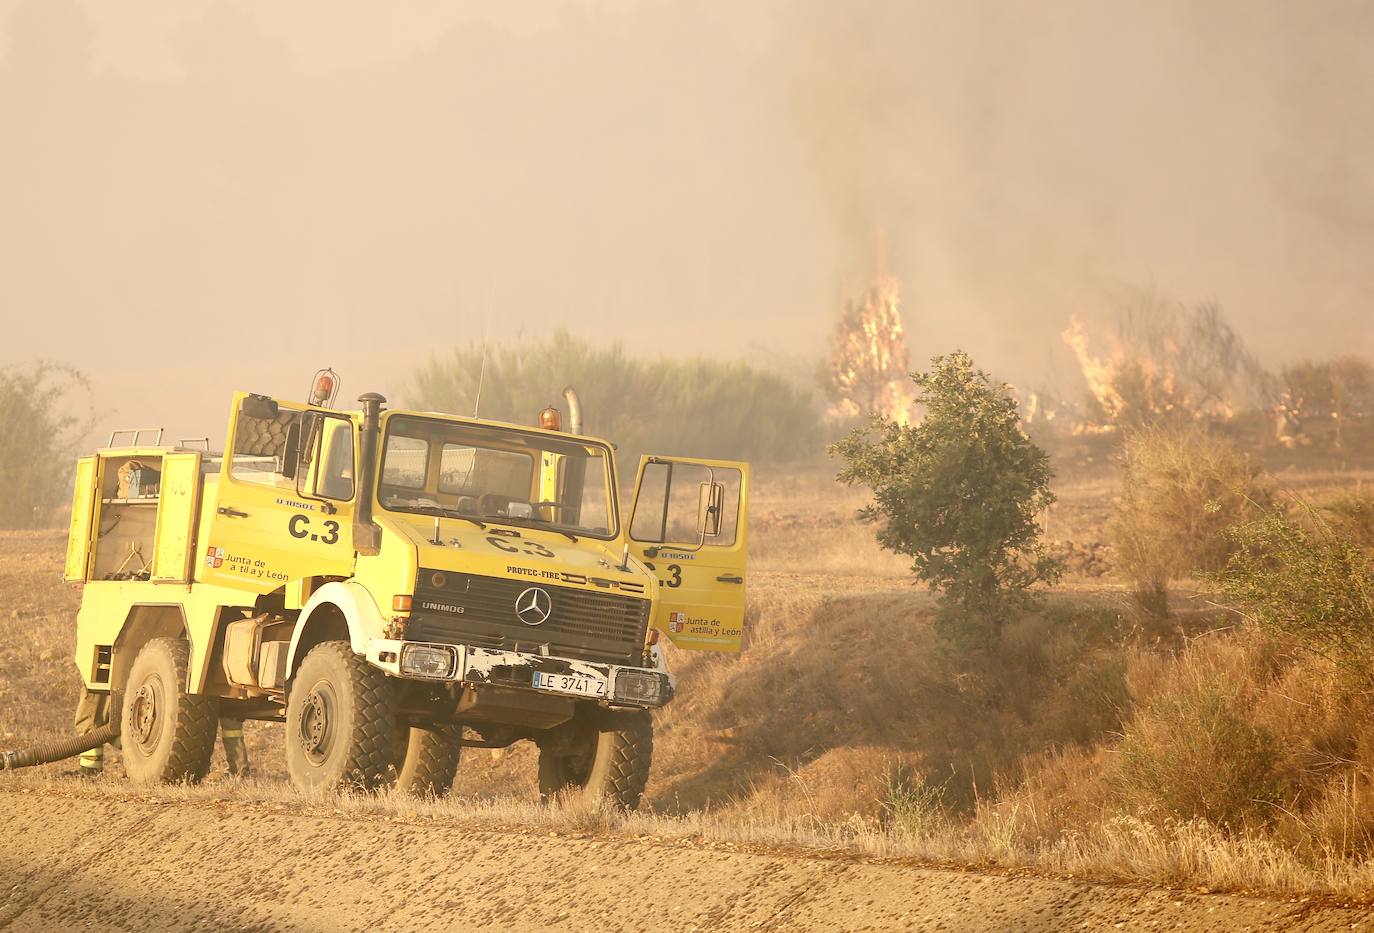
(83, 863)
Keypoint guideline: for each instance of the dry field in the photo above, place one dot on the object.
(102, 859)
(844, 736)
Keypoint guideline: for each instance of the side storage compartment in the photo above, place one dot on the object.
(255, 652)
(178, 505)
(272, 665)
(83, 513)
(125, 523)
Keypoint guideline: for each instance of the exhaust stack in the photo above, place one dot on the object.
(574, 410)
(367, 537)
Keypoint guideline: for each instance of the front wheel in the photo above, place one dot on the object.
(601, 754)
(340, 722)
(166, 734)
(431, 760)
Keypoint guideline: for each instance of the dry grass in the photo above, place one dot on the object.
(805, 522)
(1196, 749)
(1182, 489)
(1191, 853)
(38, 684)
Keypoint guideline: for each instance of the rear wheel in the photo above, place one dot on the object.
(431, 760)
(166, 734)
(340, 722)
(601, 754)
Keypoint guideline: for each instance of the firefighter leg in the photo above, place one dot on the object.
(235, 751)
(92, 712)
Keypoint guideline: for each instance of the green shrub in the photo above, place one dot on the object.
(1181, 490)
(38, 436)
(693, 406)
(960, 492)
(1193, 751)
(1312, 585)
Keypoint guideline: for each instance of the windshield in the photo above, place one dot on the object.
(499, 475)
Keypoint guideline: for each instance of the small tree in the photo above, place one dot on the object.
(960, 493)
(868, 355)
(38, 436)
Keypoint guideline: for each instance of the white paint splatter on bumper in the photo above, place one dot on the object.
(610, 684)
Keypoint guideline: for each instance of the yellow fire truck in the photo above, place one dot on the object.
(395, 586)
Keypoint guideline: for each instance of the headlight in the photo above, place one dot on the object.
(648, 688)
(428, 660)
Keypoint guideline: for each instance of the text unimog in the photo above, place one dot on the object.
(395, 585)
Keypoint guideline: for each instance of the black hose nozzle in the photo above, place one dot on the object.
(66, 748)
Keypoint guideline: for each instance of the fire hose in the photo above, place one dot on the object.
(66, 748)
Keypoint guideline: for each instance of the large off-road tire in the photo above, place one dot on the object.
(604, 755)
(431, 760)
(340, 722)
(166, 734)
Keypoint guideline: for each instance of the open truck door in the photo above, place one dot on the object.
(688, 526)
(285, 499)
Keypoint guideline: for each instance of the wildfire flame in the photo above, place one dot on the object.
(1035, 409)
(869, 361)
(1099, 374)
(1139, 386)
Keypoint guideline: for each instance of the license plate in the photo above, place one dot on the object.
(579, 684)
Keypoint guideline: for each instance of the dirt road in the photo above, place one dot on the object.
(82, 862)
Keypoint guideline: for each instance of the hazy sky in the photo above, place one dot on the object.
(201, 195)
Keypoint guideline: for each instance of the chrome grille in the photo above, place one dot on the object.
(590, 625)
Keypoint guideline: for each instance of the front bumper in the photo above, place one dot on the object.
(608, 684)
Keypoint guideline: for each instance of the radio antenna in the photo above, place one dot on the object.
(486, 331)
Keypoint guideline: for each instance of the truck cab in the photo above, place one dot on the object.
(397, 585)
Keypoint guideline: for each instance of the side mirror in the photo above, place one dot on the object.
(710, 505)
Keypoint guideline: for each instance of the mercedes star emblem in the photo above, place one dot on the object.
(534, 606)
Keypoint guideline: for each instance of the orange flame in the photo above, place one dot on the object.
(1099, 374)
(1137, 385)
(869, 359)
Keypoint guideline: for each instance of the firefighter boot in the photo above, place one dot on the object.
(235, 750)
(92, 712)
